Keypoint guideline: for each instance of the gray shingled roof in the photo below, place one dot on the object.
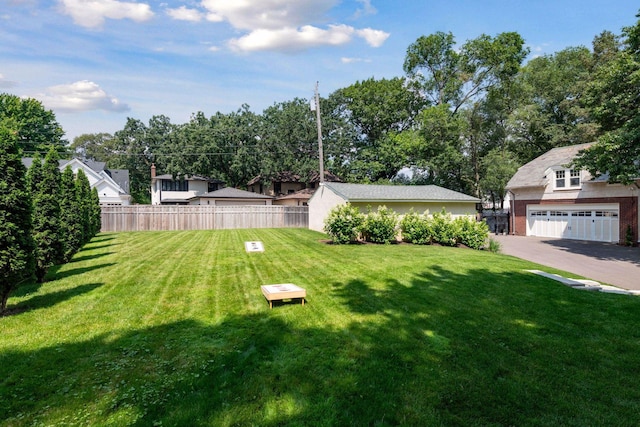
(234, 193)
(532, 174)
(119, 176)
(170, 177)
(397, 193)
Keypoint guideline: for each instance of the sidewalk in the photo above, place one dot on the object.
(603, 262)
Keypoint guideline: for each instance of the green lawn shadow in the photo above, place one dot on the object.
(431, 351)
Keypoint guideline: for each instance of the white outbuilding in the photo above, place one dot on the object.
(401, 198)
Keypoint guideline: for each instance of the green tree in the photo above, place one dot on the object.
(96, 212)
(379, 110)
(36, 127)
(46, 216)
(70, 215)
(499, 165)
(135, 148)
(446, 75)
(34, 174)
(289, 139)
(83, 193)
(615, 103)
(552, 111)
(466, 88)
(439, 152)
(16, 244)
(94, 146)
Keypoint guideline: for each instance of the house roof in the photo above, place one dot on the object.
(285, 176)
(397, 193)
(533, 173)
(190, 178)
(233, 193)
(304, 194)
(328, 176)
(119, 176)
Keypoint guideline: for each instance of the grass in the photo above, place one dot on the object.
(170, 328)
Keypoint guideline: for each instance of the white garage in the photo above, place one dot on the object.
(581, 222)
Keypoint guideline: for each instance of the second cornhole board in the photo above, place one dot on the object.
(282, 291)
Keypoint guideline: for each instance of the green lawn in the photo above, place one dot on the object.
(170, 328)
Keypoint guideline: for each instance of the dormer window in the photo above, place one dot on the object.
(567, 179)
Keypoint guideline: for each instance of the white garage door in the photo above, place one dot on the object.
(584, 222)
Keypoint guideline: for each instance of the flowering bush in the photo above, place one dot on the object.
(380, 226)
(416, 229)
(445, 229)
(472, 233)
(344, 224)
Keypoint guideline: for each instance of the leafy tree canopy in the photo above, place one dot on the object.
(36, 128)
(614, 98)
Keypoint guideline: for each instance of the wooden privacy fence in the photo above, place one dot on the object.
(201, 217)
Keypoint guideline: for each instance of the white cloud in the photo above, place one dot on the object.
(346, 60)
(80, 96)
(92, 13)
(269, 14)
(185, 14)
(367, 9)
(291, 39)
(374, 38)
(280, 25)
(6, 83)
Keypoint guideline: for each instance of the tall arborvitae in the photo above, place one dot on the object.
(70, 215)
(46, 216)
(96, 212)
(16, 244)
(34, 174)
(83, 193)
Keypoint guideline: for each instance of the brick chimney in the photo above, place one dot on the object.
(153, 170)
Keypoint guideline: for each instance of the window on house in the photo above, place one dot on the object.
(567, 179)
(168, 185)
(574, 178)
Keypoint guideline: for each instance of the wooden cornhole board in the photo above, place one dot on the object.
(253, 247)
(283, 291)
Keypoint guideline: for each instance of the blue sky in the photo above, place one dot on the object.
(97, 62)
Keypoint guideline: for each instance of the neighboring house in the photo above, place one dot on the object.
(401, 198)
(165, 190)
(549, 199)
(299, 198)
(112, 184)
(285, 183)
(231, 197)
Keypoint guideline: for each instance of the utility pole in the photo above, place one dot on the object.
(320, 152)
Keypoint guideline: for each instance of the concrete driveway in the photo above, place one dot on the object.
(603, 262)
